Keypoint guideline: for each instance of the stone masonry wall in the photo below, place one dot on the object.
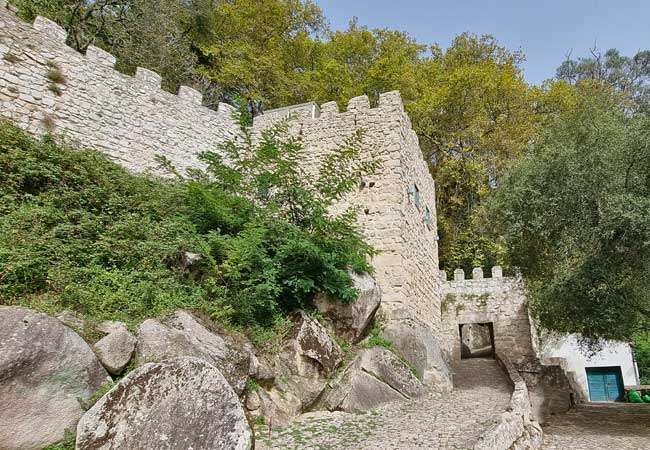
(516, 429)
(386, 201)
(129, 118)
(499, 300)
(502, 301)
(132, 120)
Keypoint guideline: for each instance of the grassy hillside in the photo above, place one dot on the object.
(78, 232)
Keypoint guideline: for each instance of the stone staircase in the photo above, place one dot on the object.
(480, 372)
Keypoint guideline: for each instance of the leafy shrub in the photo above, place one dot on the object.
(55, 89)
(79, 232)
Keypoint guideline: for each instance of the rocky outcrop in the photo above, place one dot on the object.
(351, 320)
(307, 357)
(182, 403)
(115, 350)
(310, 342)
(260, 369)
(376, 376)
(70, 319)
(45, 367)
(416, 343)
(181, 334)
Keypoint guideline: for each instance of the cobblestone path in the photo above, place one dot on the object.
(434, 422)
(600, 426)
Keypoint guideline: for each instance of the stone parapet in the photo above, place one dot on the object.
(498, 300)
(515, 429)
(46, 86)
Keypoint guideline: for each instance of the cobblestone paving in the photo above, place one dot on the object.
(435, 421)
(600, 426)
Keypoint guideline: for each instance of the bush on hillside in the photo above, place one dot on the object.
(79, 232)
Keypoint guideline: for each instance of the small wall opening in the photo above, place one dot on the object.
(476, 340)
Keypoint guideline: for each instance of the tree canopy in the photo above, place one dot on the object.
(470, 105)
(564, 161)
(575, 215)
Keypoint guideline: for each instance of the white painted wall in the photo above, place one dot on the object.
(613, 353)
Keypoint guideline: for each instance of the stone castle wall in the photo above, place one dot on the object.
(386, 201)
(132, 120)
(498, 300)
(502, 301)
(129, 118)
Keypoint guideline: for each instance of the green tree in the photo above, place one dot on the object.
(642, 356)
(79, 232)
(628, 75)
(575, 212)
(475, 115)
(87, 22)
(256, 50)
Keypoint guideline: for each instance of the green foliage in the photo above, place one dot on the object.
(68, 442)
(575, 215)
(287, 246)
(642, 355)
(78, 232)
(86, 21)
(628, 75)
(376, 339)
(252, 385)
(56, 76)
(54, 88)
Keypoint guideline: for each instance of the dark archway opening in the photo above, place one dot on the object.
(476, 340)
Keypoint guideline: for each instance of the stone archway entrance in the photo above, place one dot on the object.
(476, 340)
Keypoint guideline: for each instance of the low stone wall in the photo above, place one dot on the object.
(498, 300)
(515, 429)
(552, 388)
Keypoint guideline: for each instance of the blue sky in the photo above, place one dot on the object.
(546, 30)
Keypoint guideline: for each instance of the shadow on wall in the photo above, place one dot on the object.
(476, 340)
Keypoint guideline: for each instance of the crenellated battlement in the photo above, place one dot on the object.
(476, 275)
(389, 102)
(102, 58)
(46, 85)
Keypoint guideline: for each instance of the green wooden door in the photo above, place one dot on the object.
(605, 384)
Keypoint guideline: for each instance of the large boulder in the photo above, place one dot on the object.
(45, 367)
(115, 350)
(181, 334)
(310, 342)
(351, 320)
(387, 367)
(306, 358)
(360, 391)
(416, 343)
(376, 376)
(183, 403)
